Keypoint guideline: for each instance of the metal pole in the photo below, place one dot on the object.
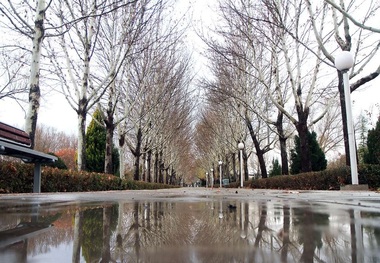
(241, 168)
(350, 129)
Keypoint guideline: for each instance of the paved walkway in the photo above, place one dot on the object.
(369, 199)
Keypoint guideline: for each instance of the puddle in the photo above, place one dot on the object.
(209, 230)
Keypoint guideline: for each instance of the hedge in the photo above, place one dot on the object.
(16, 177)
(330, 179)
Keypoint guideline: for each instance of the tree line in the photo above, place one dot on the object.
(273, 78)
(270, 76)
(125, 58)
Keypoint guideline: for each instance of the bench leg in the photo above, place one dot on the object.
(37, 178)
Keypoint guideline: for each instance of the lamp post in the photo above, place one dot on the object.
(343, 62)
(241, 147)
(220, 173)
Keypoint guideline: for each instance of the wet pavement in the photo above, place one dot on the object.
(191, 225)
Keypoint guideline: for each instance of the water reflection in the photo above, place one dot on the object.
(218, 230)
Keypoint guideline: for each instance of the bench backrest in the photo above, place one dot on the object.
(13, 135)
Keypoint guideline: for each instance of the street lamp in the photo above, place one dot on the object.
(220, 173)
(241, 147)
(343, 62)
(212, 178)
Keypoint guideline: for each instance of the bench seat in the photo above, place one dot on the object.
(16, 143)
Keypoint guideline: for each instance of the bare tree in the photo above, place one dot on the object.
(49, 139)
(153, 78)
(120, 38)
(35, 31)
(12, 74)
(157, 76)
(77, 60)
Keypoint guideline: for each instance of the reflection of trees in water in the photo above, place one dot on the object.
(250, 231)
(174, 231)
(284, 234)
(43, 241)
(97, 226)
(214, 231)
(52, 238)
(309, 226)
(170, 231)
(373, 234)
(92, 234)
(78, 235)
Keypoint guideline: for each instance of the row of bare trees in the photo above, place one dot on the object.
(271, 65)
(273, 75)
(125, 57)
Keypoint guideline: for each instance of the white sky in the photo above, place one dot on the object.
(56, 112)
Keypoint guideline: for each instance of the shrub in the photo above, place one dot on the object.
(17, 177)
(372, 156)
(60, 164)
(276, 168)
(330, 179)
(317, 156)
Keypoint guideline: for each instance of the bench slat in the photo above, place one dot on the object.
(13, 134)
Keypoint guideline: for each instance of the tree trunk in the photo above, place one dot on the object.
(108, 161)
(261, 226)
(81, 140)
(110, 128)
(167, 176)
(260, 157)
(284, 156)
(282, 140)
(83, 108)
(143, 172)
(121, 155)
(245, 164)
(161, 170)
(137, 153)
(259, 152)
(136, 229)
(303, 133)
(156, 168)
(34, 80)
(78, 236)
(285, 234)
(149, 165)
(173, 177)
(106, 246)
(235, 173)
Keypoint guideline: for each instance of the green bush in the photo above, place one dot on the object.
(16, 177)
(369, 174)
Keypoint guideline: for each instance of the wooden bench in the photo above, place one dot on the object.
(16, 143)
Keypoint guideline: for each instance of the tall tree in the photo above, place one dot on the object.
(96, 143)
(18, 17)
(76, 60)
(120, 43)
(267, 37)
